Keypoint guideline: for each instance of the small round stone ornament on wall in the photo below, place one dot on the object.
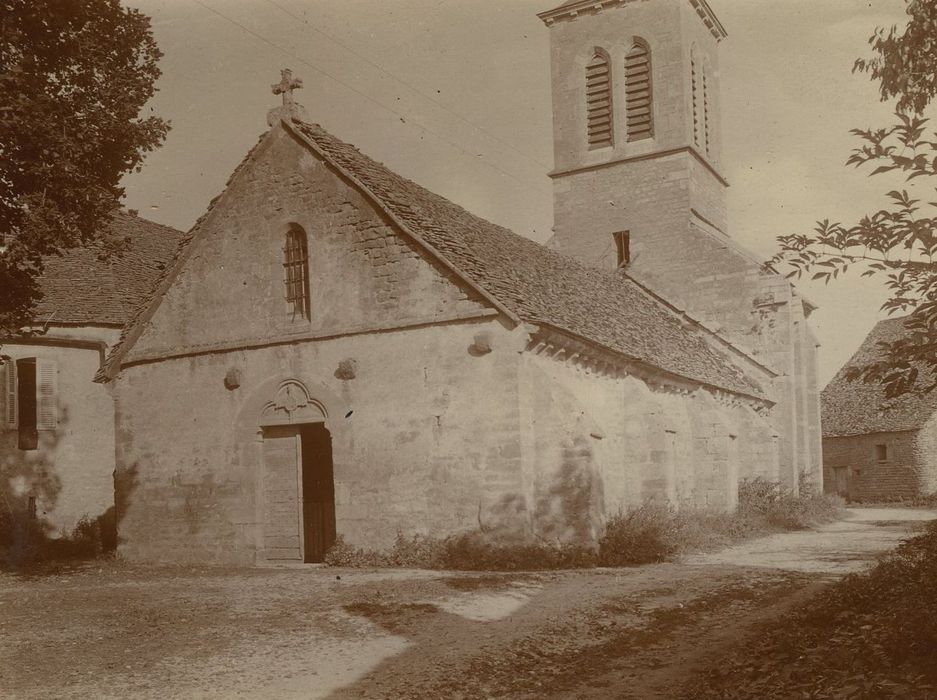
(232, 378)
(347, 369)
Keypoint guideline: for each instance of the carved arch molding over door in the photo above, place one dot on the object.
(298, 480)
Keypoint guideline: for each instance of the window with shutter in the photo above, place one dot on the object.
(638, 93)
(47, 409)
(27, 395)
(9, 395)
(296, 267)
(599, 101)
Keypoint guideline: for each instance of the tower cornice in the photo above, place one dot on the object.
(572, 9)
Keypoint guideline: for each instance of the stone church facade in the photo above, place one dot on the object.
(336, 350)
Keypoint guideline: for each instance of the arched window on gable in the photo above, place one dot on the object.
(296, 266)
(638, 92)
(599, 101)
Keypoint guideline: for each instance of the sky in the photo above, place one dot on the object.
(455, 94)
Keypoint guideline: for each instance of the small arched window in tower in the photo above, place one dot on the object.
(638, 92)
(296, 266)
(599, 101)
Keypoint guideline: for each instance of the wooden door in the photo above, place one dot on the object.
(841, 481)
(282, 517)
(318, 492)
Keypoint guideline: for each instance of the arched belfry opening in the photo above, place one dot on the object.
(298, 484)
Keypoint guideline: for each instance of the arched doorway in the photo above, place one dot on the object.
(298, 480)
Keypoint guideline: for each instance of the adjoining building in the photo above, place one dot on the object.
(878, 449)
(57, 436)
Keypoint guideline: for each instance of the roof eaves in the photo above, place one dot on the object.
(650, 367)
(573, 8)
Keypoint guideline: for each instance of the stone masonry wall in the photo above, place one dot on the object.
(908, 470)
(430, 444)
(621, 441)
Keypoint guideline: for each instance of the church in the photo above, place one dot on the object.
(335, 350)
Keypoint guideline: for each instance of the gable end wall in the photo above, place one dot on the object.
(364, 273)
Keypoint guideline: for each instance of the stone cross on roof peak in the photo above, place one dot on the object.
(286, 86)
(290, 109)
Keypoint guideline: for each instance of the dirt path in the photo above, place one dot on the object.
(120, 631)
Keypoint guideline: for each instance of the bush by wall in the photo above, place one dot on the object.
(25, 541)
(471, 551)
(652, 532)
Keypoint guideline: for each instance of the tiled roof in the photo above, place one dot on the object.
(525, 279)
(80, 286)
(535, 283)
(856, 408)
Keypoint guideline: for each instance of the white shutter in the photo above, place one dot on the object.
(9, 394)
(47, 409)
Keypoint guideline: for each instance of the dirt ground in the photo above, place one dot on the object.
(124, 631)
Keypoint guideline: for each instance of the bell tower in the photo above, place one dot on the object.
(637, 143)
(637, 183)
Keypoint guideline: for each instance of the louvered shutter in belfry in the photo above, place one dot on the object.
(9, 394)
(706, 110)
(46, 394)
(694, 87)
(638, 93)
(599, 102)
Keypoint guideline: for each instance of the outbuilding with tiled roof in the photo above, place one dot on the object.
(876, 448)
(57, 435)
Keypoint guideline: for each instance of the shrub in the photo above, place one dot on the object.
(417, 552)
(652, 532)
(471, 551)
(343, 554)
(649, 533)
(24, 540)
(474, 551)
(761, 499)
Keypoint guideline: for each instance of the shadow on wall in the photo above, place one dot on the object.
(126, 481)
(30, 490)
(569, 506)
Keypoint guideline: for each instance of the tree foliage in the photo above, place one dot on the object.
(74, 76)
(898, 243)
